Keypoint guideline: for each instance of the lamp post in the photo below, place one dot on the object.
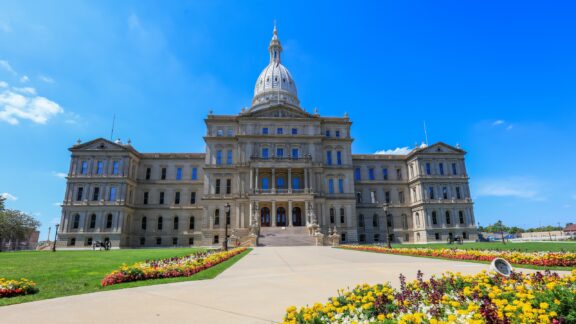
(501, 231)
(387, 226)
(227, 221)
(55, 237)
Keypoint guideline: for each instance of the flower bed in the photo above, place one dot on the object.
(169, 268)
(548, 259)
(11, 288)
(452, 298)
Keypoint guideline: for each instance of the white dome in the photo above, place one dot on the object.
(275, 83)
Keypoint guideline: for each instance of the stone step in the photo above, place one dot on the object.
(285, 236)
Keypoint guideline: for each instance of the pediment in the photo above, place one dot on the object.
(99, 144)
(279, 112)
(441, 148)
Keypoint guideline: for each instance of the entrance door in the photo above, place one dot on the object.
(296, 216)
(280, 216)
(265, 216)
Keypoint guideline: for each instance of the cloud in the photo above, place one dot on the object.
(57, 204)
(518, 187)
(7, 67)
(397, 151)
(59, 174)
(72, 118)
(3, 84)
(24, 79)
(498, 122)
(509, 127)
(18, 104)
(8, 196)
(45, 79)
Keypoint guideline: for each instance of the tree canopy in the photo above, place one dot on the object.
(15, 225)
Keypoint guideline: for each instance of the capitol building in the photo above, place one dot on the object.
(274, 174)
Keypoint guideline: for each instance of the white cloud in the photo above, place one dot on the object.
(57, 204)
(18, 104)
(7, 67)
(72, 118)
(24, 79)
(498, 122)
(397, 151)
(59, 174)
(45, 78)
(3, 84)
(509, 127)
(8, 196)
(519, 187)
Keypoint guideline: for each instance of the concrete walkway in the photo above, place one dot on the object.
(257, 289)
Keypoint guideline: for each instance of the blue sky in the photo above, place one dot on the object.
(497, 77)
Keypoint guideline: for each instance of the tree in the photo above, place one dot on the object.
(2, 203)
(15, 226)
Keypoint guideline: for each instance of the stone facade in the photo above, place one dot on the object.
(276, 166)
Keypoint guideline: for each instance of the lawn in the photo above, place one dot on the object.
(65, 273)
(524, 246)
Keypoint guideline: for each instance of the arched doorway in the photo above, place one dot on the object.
(265, 216)
(296, 216)
(280, 216)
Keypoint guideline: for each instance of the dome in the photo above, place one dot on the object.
(275, 84)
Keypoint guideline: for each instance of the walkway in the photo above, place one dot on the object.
(257, 289)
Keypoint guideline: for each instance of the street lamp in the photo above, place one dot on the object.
(387, 226)
(227, 212)
(55, 237)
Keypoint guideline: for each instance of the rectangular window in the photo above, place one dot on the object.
(112, 194)
(194, 173)
(458, 195)
(79, 193)
(179, 174)
(454, 171)
(146, 194)
(96, 194)
(339, 157)
(177, 198)
(229, 132)
(84, 169)
(215, 240)
(219, 132)
(341, 185)
(158, 241)
(219, 157)
(385, 174)
(329, 157)
(115, 166)
(338, 133)
(331, 186)
(399, 174)
(444, 192)
(373, 196)
(161, 200)
(428, 170)
(142, 240)
(265, 153)
(431, 192)
(163, 175)
(264, 130)
(217, 187)
(109, 221)
(327, 133)
(279, 131)
(191, 241)
(387, 196)
(357, 174)
(99, 167)
(279, 152)
(193, 198)
(371, 174)
(441, 168)
(401, 196)
(228, 186)
(229, 157)
(295, 153)
(148, 172)
(294, 131)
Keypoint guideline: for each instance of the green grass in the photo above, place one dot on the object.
(65, 273)
(524, 246)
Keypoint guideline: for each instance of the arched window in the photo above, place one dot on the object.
(217, 216)
(92, 221)
(448, 217)
(76, 223)
(144, 222)
(109, 221)
(434, 218)
(160, 223)
(176, 222)
(461, 217)
(404, 221)
(375, 220)
(191, 222)
(417, 219)
(265, 185)
(332, 216)
(342, 215)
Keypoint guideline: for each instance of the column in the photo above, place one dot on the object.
(273, 180)
(256, 180)
(273, 213)
(251, 179)
(289, 216)
(290, 182)
(305, 213)
(306, 180)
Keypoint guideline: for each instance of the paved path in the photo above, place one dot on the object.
(257, 289)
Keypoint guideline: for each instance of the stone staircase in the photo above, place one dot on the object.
(288, 236)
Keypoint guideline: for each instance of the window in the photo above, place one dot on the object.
(385, 174)
(158, 241)
(112, 194)
(265, 184)
(176, 221)
(92, 221)
(178, 173)
(229, 132)
(461, 217)
(84, 169)
(73, 241)
(342, 215)
(280, 152)
(160, 223)
(144, 222)
(295, 154)
(96, 194)
(361, 220)
(407, 237)
(359, 197)
(399, 174)
(215, 240)
(401, 196)
(264, 130)
(465, 235)
(431, 192)
(329, 157)
(295, 183)
(448, 219)
(161, 200)
(341, 185)
(174, 241)
(109, 221)
(79, 193)
(337, 133)
(454, 171)
(177, 198)
(373, 196)
(148, 172)
(191, 223)
(280, 184)
(89, 241)
(146, 194)
(437, 236)
(404, 221)
(279, 131)
(265, 153)
(389, 220)
(115, 165)
(339, 157)
(387, 197)
(228, 219)
(229, 157)
(194, 173)
(294, 131)
(99, 167)
(332, 216)
(434, 218)
(441, 168)
(458, 195)
(217, 187)
(191, 241)
(331, 186)
(362, 238)
(371, 174)
(217, 217)
(444, 192)
(376, 237)
(228, 186)
(327, 133)
(193, 198)
(375, 220)
(76, 222)
(343, 237)
(219, 157)
(428, 170)
(357, 174)
(163, 175)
